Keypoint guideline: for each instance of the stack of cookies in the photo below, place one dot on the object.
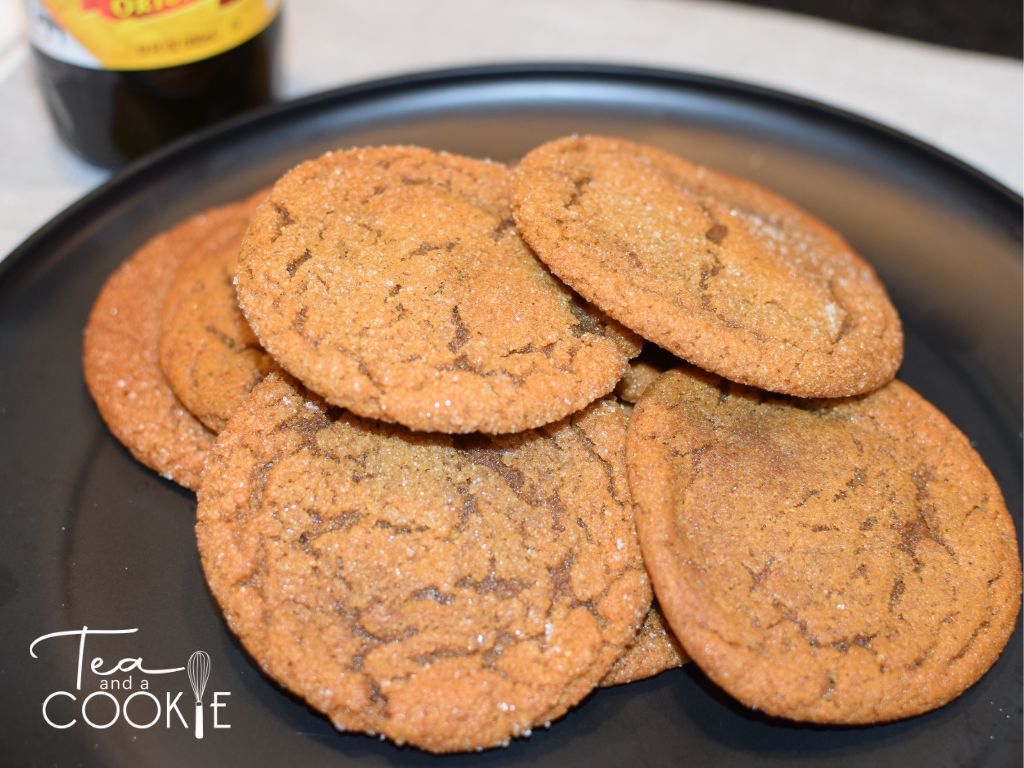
(401, 382)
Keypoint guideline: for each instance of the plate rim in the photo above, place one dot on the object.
(137, 171)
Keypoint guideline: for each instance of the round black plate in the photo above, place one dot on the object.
(90, 538)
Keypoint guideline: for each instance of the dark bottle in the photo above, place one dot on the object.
(123, 77)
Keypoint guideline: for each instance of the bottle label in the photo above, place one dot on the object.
(144, 34)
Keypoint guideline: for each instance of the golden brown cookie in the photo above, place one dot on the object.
(391, 281)
(636, 379)
(446, 592)
(120, 355)
(643, 370)
(845, 561)
(655, 650)
(714, 269)
(208, 353)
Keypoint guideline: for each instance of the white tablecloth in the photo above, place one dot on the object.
(968, 104)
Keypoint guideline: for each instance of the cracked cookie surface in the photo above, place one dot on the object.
(392, 282)
(847, 561)
(449, 592)
(715, 269)
(655, 650)
(121, 360)
(208, 352)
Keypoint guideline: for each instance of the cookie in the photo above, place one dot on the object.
(120, 358)
(446, 592)
(715, 269)
(655, 650)
(845, 561)
(643, 370)
(208, 353)
(392, 282)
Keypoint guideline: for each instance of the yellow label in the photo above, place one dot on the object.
(146, 34)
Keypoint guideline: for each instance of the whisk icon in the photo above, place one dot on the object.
(198, 674)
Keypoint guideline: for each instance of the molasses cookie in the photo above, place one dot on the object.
(446, 592)
(643, 370)
(120, 355)
(655, 650)
(208, 353)
(715, 269)
(392, 282)
(844, 561)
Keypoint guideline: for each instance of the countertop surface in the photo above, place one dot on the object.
(967, 104)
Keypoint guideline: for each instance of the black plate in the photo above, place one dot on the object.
(90, 538)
